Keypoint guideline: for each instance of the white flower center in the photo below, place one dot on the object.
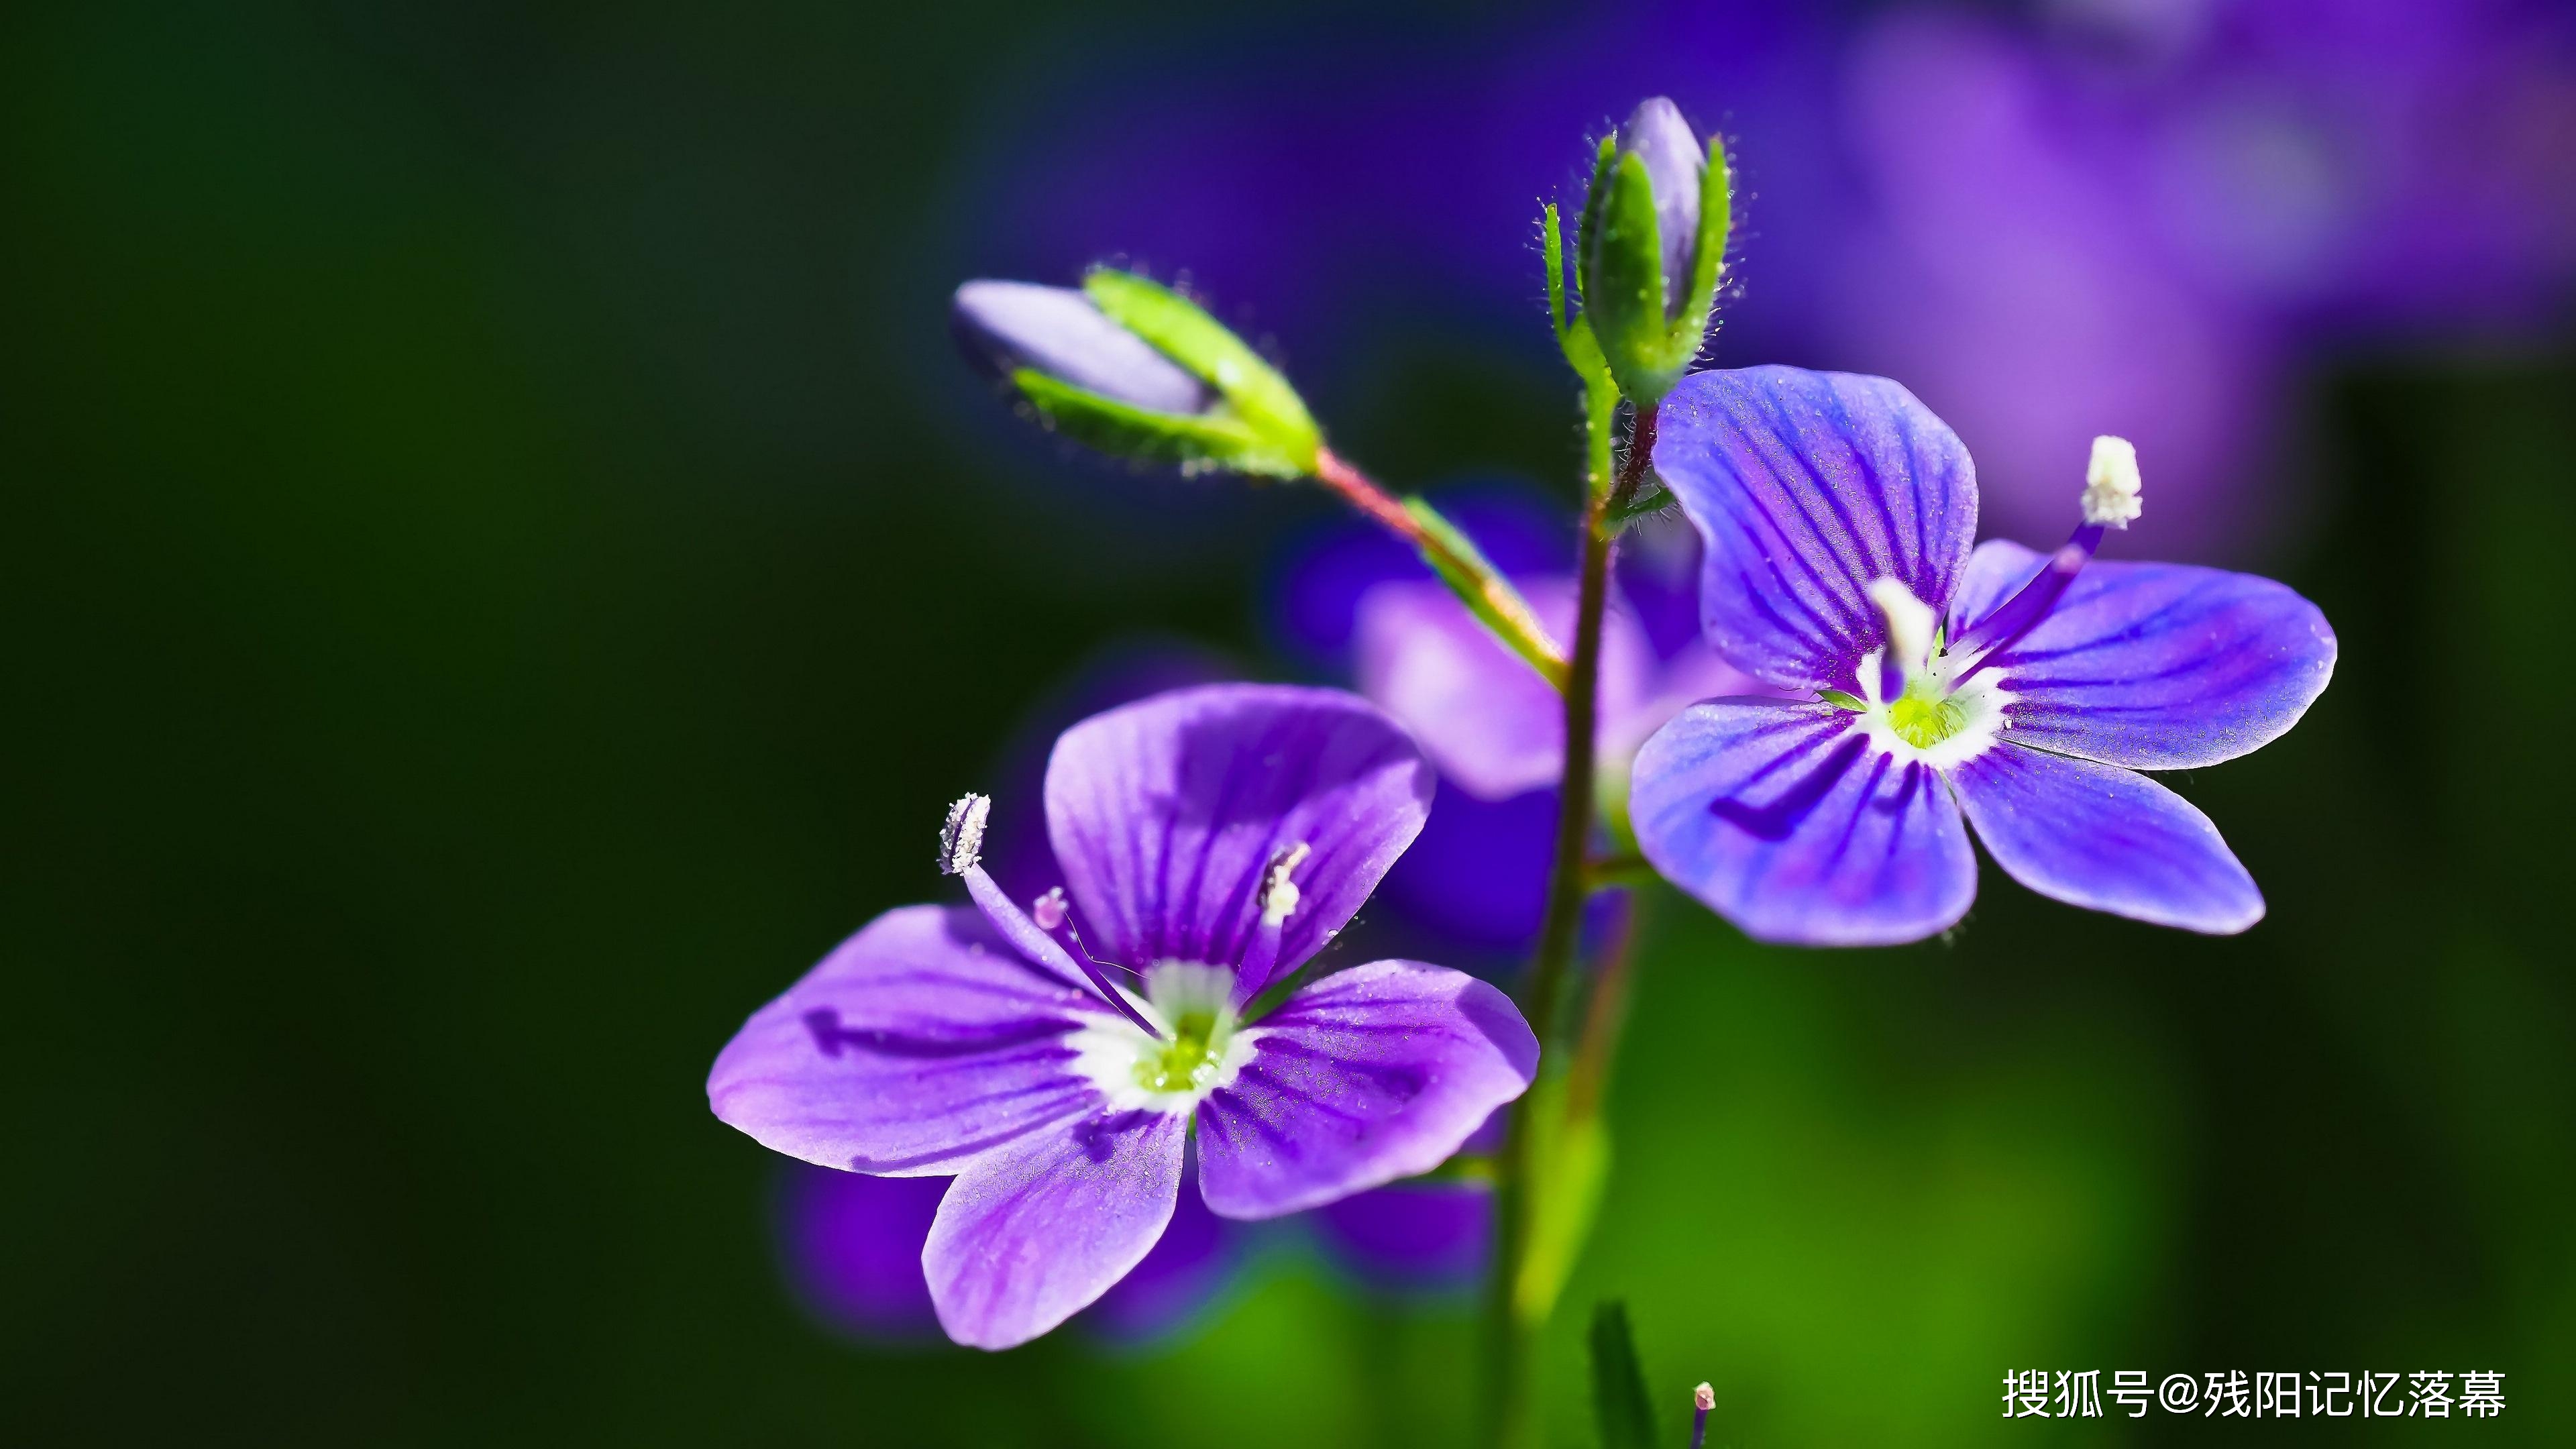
(1936, 716)
(1200, 1049)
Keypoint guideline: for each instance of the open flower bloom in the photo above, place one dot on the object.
(1212, 840)
(2023, 691)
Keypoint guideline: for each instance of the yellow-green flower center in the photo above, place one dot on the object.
(1925, 715)
(1187, 1060)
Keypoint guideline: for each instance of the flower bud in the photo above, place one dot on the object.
(1652, 247)
(1138, 371)
(1008, 327)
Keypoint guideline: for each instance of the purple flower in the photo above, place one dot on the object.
(1010, 327)
(1430, 1236)
(2024, 690)
(1213, 839)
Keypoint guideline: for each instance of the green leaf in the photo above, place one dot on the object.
(1193, 442)
(1184, 332)
(1569, 1165)
(1619, 1400)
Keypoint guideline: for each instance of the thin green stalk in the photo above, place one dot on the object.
(1511, 1334)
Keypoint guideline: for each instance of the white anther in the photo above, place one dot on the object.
(1909, 625)
(961, 840)
(1278, 893)
(2111, 483)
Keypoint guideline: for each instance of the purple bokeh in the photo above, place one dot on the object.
(2144, 217)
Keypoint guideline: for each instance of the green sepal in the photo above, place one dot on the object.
(1708, 260)
(1569, 1165)
(1480, 586)
(1623, 281)
(1623, 275)
(1620, 1403)
(1254, 391)
(1195, 443)
(1840, 700)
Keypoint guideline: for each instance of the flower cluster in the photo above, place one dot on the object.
(1794, 704)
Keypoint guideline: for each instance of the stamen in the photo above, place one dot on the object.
(961, 840)
(1703, 1399)
(1048, 910)
(961, 843)
(1278, 892)
(2111, 498)
(2112, 484)
(1279, 897)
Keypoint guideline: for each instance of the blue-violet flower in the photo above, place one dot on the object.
(1214, 839)
(2025, 690)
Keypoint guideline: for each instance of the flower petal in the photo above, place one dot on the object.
(1166, 812)
(917, 1044)
(1786, 820)
(2105, 838)
(1189, 1266)
(1806, 487)
(2153, 665)
(1358, 1079)
(1032, 1234)
(1492, 725)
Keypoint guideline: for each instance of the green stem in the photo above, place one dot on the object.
(1511, 1333)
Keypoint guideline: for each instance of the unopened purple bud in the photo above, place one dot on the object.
(1008, 326)
(1676, 160)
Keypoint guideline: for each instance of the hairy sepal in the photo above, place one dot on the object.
(1260, 400)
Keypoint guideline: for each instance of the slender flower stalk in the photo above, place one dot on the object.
(1605, 1014)
(1482, 587)
(1511, 1330)
(1703, 1399)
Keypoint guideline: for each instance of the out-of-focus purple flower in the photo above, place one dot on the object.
(850, 1246)
(1837, 513)
(1312, 597)
(1486, 719)
(1005, 327)
(1411, 1237)
(1214, 838)
(1476, 879)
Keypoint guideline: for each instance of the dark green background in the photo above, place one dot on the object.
(503, 571)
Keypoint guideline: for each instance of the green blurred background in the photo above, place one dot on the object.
(504, 571)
